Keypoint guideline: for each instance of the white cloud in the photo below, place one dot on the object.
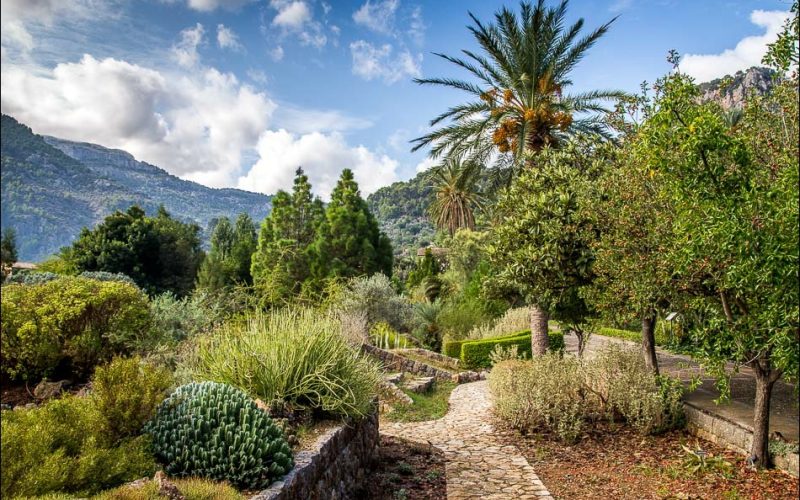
(227, 39)
(16, 15)
(296, 17)
(209, 5)
(194, 126)
(185, 51)
(378, 16)
(276, 54)
(748, 52)
(304, 121)
(424, 165)
(257, 76)
(322, 156)
(416, 26)
(371, 62)
(292, 15)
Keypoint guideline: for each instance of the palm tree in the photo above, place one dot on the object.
(519, 100)
(457, 195)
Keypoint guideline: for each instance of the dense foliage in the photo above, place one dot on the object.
(401, 210)
(228, 261)
(159, 253)
(69, 325)
(216, 431)
(297, 357)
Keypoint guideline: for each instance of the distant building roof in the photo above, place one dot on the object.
(435, 251)
(23, 265)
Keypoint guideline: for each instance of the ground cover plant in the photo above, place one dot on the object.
(404, 470)
(82, 445)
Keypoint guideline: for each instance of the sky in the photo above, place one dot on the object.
(239, 93)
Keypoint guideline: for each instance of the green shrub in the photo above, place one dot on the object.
(296, 356)
(192, 488)
(70, 324)
(563, 393)
(106, 276)
(628, 389)
(459, 316)
(385, 337)
(377, 299)
(59, 448)
(513, 320)
(545, 393)
(662, 334)
(28, 277)
(475, 353)
(216, 431)
(126, 393)
(452, 348)
(176, 319)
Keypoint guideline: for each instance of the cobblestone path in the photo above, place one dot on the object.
(478, 467)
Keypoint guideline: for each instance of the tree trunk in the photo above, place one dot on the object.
(649, 341)
(766, 377)
(539, 340)
(581, 335)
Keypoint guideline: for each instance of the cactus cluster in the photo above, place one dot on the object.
(216, 431)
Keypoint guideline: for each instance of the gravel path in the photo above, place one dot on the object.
(478, 466)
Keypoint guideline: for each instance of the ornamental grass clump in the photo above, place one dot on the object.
(216, 431)
(294, 356)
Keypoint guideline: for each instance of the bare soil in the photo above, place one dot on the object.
(613, 461)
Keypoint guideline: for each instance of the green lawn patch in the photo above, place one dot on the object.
(429, 406)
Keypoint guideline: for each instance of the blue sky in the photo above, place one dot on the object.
(238, 93)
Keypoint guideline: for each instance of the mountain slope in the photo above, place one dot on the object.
(732, 91)
(402, 212)
(51, 188)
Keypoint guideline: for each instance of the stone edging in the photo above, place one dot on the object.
(335, 466)
(435, 356)
(395, 362)
(732, 435)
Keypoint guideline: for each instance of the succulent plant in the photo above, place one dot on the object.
(216, 431)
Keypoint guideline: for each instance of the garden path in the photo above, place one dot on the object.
(478, 466)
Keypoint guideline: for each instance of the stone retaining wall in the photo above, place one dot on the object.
(435, 356)
(731, 435)
(396, 363)
(333, 469)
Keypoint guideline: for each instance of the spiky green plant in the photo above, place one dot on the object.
(216, 431)
(296, 356)
(457, 196)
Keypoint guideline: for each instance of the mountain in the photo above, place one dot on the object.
(51, 188)
(401, 210)
(732, 91)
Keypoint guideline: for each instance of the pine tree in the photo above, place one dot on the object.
(228, 261)
(349, 242)
(281, 262)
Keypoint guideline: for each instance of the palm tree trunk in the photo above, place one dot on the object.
(649, 341)
(539, 322)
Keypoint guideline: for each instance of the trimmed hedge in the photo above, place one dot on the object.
(662, 338)
(452, 348)
(475, 353)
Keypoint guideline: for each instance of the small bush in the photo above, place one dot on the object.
(106, 276)
(216, 431)
(513, 320)
(126, 393)
(192, 488)
(27, 277)
(460, 316)
(59, 448)
(475, 353)
(176, 319)
(544, 393)
(375, 297)
(452, 348)
(69, 325)
(500, 354)
(628, 389)
(562, 393)
(385, 337)
(297, 356)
